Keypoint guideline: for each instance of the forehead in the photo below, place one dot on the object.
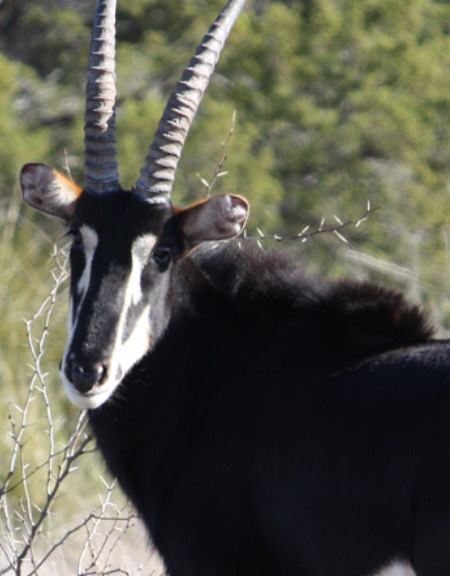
(120, 213)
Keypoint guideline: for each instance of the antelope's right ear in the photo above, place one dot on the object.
(48, 191)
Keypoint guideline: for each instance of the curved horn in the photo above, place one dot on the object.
(99, 130)
(158, 173)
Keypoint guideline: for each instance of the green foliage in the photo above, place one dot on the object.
(61, 43)
(17, 141)
(338, 102)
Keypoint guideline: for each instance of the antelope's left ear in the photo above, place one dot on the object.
(218, 218)
(48, 191)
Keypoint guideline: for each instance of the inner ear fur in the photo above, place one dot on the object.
(220, 217)
(48, 191)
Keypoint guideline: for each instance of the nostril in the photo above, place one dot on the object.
(85, 378)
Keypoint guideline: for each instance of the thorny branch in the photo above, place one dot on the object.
(218, 170)
(37, 350)
(307, 233)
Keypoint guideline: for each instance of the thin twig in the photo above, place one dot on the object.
(306, 234)
(218, 170)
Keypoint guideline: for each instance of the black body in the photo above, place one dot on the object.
(283, 427)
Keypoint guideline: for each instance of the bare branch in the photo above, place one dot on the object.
(306, 234)
(28, 493)
(218, 170)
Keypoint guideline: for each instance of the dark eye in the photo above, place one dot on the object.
(75, 235)
(161, 254)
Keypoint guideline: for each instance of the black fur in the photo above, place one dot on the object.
(284, 427)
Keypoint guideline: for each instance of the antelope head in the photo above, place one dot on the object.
(125, 243)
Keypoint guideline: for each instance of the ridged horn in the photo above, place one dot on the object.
(158, 173)
(101, 166)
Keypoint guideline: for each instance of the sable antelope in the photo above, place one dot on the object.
(263, 423)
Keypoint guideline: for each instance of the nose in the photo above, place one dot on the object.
(85, 375)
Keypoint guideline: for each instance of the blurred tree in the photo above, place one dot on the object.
(338, 102)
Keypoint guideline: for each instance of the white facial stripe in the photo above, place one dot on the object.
(135, 347)
(142, 247)
(90, 242)
(140, 252)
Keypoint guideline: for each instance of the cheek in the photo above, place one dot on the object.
(138, 341)
(133, 317)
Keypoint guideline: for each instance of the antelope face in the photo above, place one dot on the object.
(125, 244)
(124, 248)
(117, 271)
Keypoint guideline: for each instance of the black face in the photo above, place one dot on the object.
(120, 267)
(124, 245)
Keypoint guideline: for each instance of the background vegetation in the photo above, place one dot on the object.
(338, 102)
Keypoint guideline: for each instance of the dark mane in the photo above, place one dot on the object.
(363, 315)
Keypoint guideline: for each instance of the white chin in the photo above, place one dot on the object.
(90, 400)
